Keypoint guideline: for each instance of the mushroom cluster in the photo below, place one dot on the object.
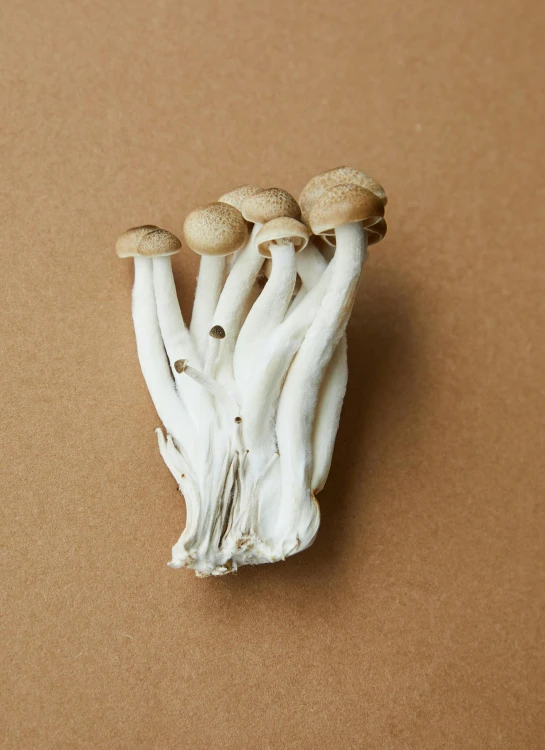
(250, 394)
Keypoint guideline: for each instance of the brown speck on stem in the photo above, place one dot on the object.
(238, 420)
(217, 332)
(180, 365)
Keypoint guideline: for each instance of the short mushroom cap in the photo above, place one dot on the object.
(281, 231)
(270, 204)
(148, 241)
(338, 176)
(345, 204)
(158, 243)
(238, 195)
(215, 229)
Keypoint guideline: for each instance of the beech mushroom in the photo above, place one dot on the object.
(213, 231)
(143, 244)
(346, 209)
(250, 395)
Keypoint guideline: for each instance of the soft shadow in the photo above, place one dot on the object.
(381, 375)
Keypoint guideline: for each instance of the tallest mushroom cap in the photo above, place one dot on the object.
(345, 204)
(316, 186)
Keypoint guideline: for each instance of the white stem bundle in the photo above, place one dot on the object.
(250, 396)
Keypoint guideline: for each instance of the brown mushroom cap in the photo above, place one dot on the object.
(215, 229)
(345, 204)
(338, 176)
(270, 204)
(238, 195)
(148, 241)
(157, 243)
(281, 231)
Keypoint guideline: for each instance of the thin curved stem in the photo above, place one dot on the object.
(176, 338)
(151, 353)
(231, 305)
(310, 266)
(209, 285)
(263, 388)
(328, 415)
(268, 311)
(300, 393)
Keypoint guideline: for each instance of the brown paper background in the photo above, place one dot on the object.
(416, 620)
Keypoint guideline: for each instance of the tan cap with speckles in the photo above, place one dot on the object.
(338, 176)
(281, 231)
(215, 229)
(345, 204)
(270, 204)
(148, 241)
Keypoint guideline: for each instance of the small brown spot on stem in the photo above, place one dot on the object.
(217, 332)
(238, 420)
(180, 365)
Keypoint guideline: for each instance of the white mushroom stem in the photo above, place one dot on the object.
(263, 388)
(211, 356)
(328, 415)
(177, 340)
(151, 353)
(301, 389)
(209, 284)
(231, 305)
(268, 311)
(310, 266)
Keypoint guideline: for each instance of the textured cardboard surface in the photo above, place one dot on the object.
(416, 620)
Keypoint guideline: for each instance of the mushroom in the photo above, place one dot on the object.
(346, 209)
(333, 386)
(338, 176)
(213, 231)
(145, 244)
(279, 239)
